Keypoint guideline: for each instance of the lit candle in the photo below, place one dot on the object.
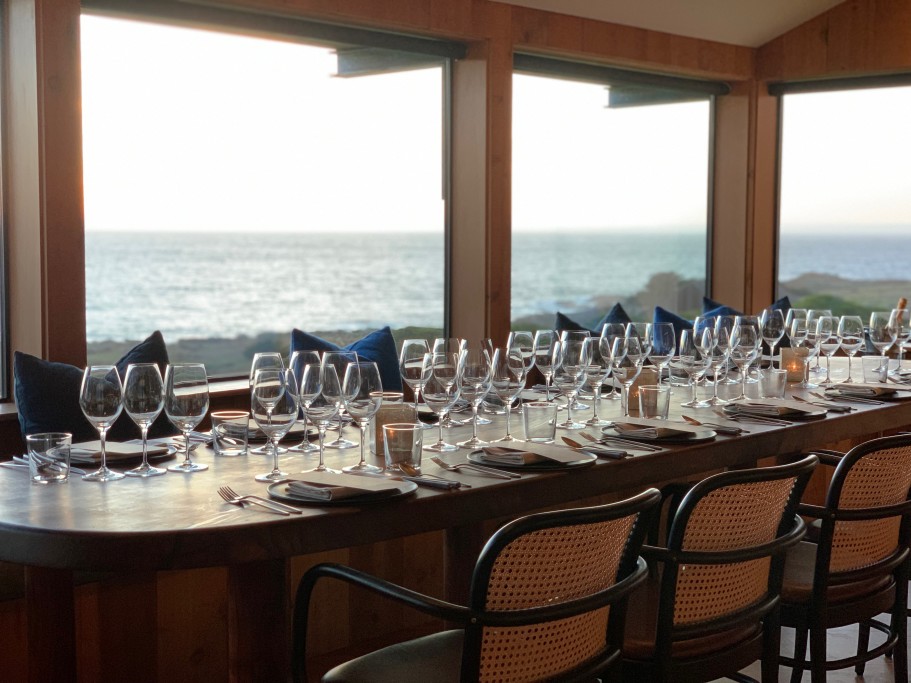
(646, 376)
(794, 361)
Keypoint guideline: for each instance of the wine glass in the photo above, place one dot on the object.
(804, 338)
(414, 366)
(507, 378)
(595, 374)
(101, 401)
(366, 402)
(474, 383)
(882, 331)
(441, 393)
(813, 316)
(571, 360)
(325, 403)
(692, 362)
(609, 332)
(577, 336)
(143, 400)
(449, 345)
(340, 360)
(524, 343)
(717, 354)
(745, 346)
(724, 326)
(663, 346)
(772, 327)
(264, 360)
(827, 331)
(626, 359)
(544, 354)
(901, 321)
(851, 335)
(299, 360)
(792, 315)
(186, 404)
(274, 417)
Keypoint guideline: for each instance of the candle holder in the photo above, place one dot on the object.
(795, 361)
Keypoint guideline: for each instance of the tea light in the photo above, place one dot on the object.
(794, 361)
(646, 376)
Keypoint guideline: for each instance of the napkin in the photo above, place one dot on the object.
(433, 482)
(514, 456)
(767, 409)
(329, 486)
(90, 451)
(865, 390)
(650, 430)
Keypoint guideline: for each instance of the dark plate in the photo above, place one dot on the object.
(117, 454)
(406, 488)
(700, 435)
(585, 460)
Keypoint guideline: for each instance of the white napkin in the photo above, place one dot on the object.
(514, 456)
(331, 486)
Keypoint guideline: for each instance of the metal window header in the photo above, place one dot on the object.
(847, 83)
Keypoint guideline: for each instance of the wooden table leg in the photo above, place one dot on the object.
(51, 615)
(259, 621)
(463, 545)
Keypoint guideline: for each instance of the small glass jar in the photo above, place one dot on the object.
(393, 409)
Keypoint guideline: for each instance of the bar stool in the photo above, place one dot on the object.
(547, 600)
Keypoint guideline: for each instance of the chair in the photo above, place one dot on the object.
(547, 601)
(710, 606)
(858, 568)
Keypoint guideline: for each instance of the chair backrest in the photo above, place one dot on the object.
(725, 550)
(544, 587)
(867, 502)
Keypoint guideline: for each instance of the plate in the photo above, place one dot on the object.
(255, 435)
(119, 453)
(699, 435)
(585, 459)
(406, 488)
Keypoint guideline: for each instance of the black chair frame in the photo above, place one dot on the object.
(631, 573)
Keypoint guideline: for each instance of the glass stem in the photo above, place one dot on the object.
(692, 389)
(570, 397)
(743, 381)
(322, 438)
(624, 391)
(186, 439)
(772, 358)
(363, 428)
(275, 469)
(597, 402)
(145, 447)
(443, 414)
(102, 437)
(508, 403)
(547, 387)
(828, 361)
(474, 418)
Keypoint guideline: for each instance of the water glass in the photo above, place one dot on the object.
(49, 457)
(772, 383)
(230, 431)
(101, 401)
(875, 368)
(654, 401)
(402, 445)
(540, 421)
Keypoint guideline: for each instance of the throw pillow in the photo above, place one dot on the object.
(378, 347)
(663, 315)
(615, 315)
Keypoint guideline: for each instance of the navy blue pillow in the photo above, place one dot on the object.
(47, 395)
(378, 347)
(615, 315)
(663, 315)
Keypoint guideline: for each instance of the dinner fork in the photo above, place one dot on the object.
(626, 443)
(229, 495)
(474, 468)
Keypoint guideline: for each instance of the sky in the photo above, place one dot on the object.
(227, 133)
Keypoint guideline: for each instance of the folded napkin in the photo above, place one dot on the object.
(90, 451)
(864, 390)
(768, 409)
(647, 429)
(500, 455)
(433, 482)
(323, 486)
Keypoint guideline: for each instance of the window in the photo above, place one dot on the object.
(610, 198)
(845, 201)
(237, 187)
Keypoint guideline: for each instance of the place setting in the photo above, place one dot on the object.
(774, 411)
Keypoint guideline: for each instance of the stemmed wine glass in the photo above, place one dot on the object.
(827, 332)
(901, 321)
(274, 417)
(626, 360)
(299, 360)
(724, 326)
(745, 346)
(802, 337)
(708, 345)
(321, 382)
(340, 360)
(595, 374)
(264, 360)
(772, 327)
(507, 378)
(143, 400)
(474, 383)
(544, 357)
(524, 344)
(414, 366)
(101, 401)
(366, 402)
(609, 332)
(663, 346)
(571, 360)
(851, 335)
(792, 315)
(813, 316)
(692, 362)
(441, 393)
(882, 331)
(451, 346)
(186, 404)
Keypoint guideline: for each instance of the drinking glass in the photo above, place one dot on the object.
(663, 346)
(441, 393)
(143, 401)
(692, 362)
(449, 345)
(340, 360)
(414, 366)
(772, 327)
(626, 359)
(507, 378)
(609, 332)
(101, 400)
(595, 374)
(717, 354)
(827, 332)
(321, 382)
(474, 383)
(186, 403)
(524, 343)
(724, 326)
(264, 360)
(745, 346)
(802, 337)
(299, 360)
(901, 321)
(366, 402)
(792, 315)
(813, 316)
(544, 354)
(577, 336)
(274, 417)
(571, 360)
(883, 333)
(851, 335)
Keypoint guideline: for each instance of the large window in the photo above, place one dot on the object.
(845, 216)
(610, 203)
(236, 187)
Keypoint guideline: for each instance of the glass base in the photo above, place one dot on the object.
(305, 447)
(146, 471)
(342, 444)
(570, 425)
(483, 420)
(593, 422)
(272, 476)
(362, 467)
(580, 406)
(103, 474)
(507, 439)
(696, 404)
(266, 450)
(715, 401)
(441, 447)
(473, 442)
(807, 385)
(322, 468)
(188, 467)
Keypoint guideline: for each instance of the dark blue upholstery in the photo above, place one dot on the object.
(47, 394)
(662, 315)
(615, 315)
(378, 347)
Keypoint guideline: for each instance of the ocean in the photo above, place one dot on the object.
(217, 286)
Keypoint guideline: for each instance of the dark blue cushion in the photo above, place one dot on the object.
(783, 305)
(663, 315)
(721, 310)
(47, 395)
(378, 347)
(615, 315)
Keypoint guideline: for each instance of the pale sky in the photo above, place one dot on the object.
(199, 131)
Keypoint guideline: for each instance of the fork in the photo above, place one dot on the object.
(474, 468)
(721, 429)
(627, 443)
(229, 495)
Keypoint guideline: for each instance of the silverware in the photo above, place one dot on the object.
(489, 471)
(849, 399)
(627, 443)
(230, 496)
(756, 419)
(823, 404)
(721, 429)
(23, 460)
(596, 450)
(423, 478)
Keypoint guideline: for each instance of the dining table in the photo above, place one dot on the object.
(135, 526)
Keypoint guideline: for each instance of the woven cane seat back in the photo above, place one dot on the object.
(729, 518)
(548, 567)
(879, 478)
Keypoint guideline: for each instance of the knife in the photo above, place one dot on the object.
(599, 452)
